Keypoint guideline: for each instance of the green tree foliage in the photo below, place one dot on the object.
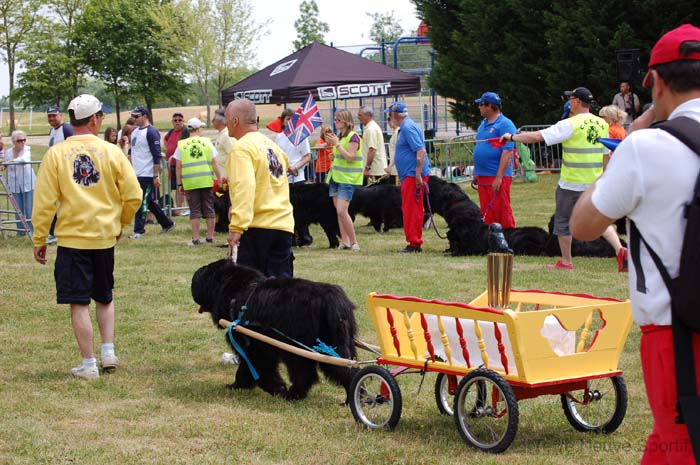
(218, 43)
(131, 49)
(309, 27)
(530, 51)
(384, 27)
(16, 23)
(52, 70)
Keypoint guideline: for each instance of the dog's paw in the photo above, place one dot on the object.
(292, 395)
(238, 385)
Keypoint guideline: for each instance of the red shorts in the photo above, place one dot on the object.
(668, 442)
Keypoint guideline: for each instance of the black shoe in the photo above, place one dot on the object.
(167, 229)
(411, 249)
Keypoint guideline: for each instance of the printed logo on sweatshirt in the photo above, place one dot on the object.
(84, 172)
(274, 164)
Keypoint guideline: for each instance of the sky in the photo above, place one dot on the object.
(348, 23)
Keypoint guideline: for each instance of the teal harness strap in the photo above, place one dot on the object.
(239, 349)
(319, 348)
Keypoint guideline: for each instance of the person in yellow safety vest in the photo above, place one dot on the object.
(582, 164)
(195, 170)
(346, 173)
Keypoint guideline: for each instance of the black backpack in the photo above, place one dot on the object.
(684, 289)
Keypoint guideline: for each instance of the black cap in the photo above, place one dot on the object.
(580, 93)
(140, 110)
(53, 110)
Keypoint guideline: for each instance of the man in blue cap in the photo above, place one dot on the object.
(493, 162)
(413, 168)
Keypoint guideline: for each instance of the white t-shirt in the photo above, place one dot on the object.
(372, 137)
(650, 178)
(294, 154)
(556, 134)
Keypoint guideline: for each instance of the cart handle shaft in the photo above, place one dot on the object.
(342, 362)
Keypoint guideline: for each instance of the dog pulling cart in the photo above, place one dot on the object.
(505, 345)
(546, 343)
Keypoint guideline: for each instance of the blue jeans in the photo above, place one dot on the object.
(25, 201)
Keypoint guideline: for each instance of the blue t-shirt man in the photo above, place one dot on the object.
(410, 146)
(410, 140)
(493, 163)
(486, 157)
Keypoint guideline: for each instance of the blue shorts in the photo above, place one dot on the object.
(342, 191)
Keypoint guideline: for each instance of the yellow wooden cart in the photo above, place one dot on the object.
(545, 343)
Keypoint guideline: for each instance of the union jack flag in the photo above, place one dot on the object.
(304, 121)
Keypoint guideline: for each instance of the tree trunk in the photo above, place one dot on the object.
(11, 69)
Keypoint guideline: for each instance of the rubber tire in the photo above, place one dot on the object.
(484, 376)
(358, 399)
(618, 414)
(442, 396)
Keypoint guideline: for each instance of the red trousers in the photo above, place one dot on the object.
(496, 210)
(412, 209)
(668, 442)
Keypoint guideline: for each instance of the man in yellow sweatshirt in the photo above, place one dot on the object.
(98, 195)
(262, 223)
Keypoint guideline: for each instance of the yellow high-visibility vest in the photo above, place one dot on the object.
(347, 172)
(197, 170)
(582, 154)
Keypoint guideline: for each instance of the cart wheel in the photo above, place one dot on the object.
(376, 398)
(600, 407)
(443, 397)
(486, 411)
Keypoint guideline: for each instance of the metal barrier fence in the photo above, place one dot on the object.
(18, 180)
(546, 158)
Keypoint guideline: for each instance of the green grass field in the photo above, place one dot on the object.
(166, 404)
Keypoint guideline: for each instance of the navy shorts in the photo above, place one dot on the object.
(82, 275)
(267, 250)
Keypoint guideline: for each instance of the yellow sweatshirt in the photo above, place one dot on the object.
(96, 191)
(257, 176)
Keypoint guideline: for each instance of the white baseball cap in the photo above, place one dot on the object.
(86, 105)
(194, 123)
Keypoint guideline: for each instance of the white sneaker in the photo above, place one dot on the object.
(228, 357)
(109, 361)
(51, 239)
(85, 373)
(136, 236)
(355, 247)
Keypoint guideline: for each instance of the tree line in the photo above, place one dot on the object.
(530, 51)
(150, 51)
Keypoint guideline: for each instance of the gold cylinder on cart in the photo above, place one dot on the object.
(500, 276)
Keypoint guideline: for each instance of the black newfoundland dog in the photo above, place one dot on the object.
(467, 234)
(312, 204)
(381, 203)
(287, 309)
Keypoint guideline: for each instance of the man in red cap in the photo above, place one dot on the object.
(650, 180)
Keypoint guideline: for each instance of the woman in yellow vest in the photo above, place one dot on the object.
(345, 174)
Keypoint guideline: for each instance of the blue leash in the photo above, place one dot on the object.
(239, 349)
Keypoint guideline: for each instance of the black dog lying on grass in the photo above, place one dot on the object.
(285, 309)
(467, 234)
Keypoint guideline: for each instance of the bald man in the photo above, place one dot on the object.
(262, 223)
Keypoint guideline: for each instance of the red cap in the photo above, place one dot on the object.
(667, 49)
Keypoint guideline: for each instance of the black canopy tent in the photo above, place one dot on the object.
(327, 72)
